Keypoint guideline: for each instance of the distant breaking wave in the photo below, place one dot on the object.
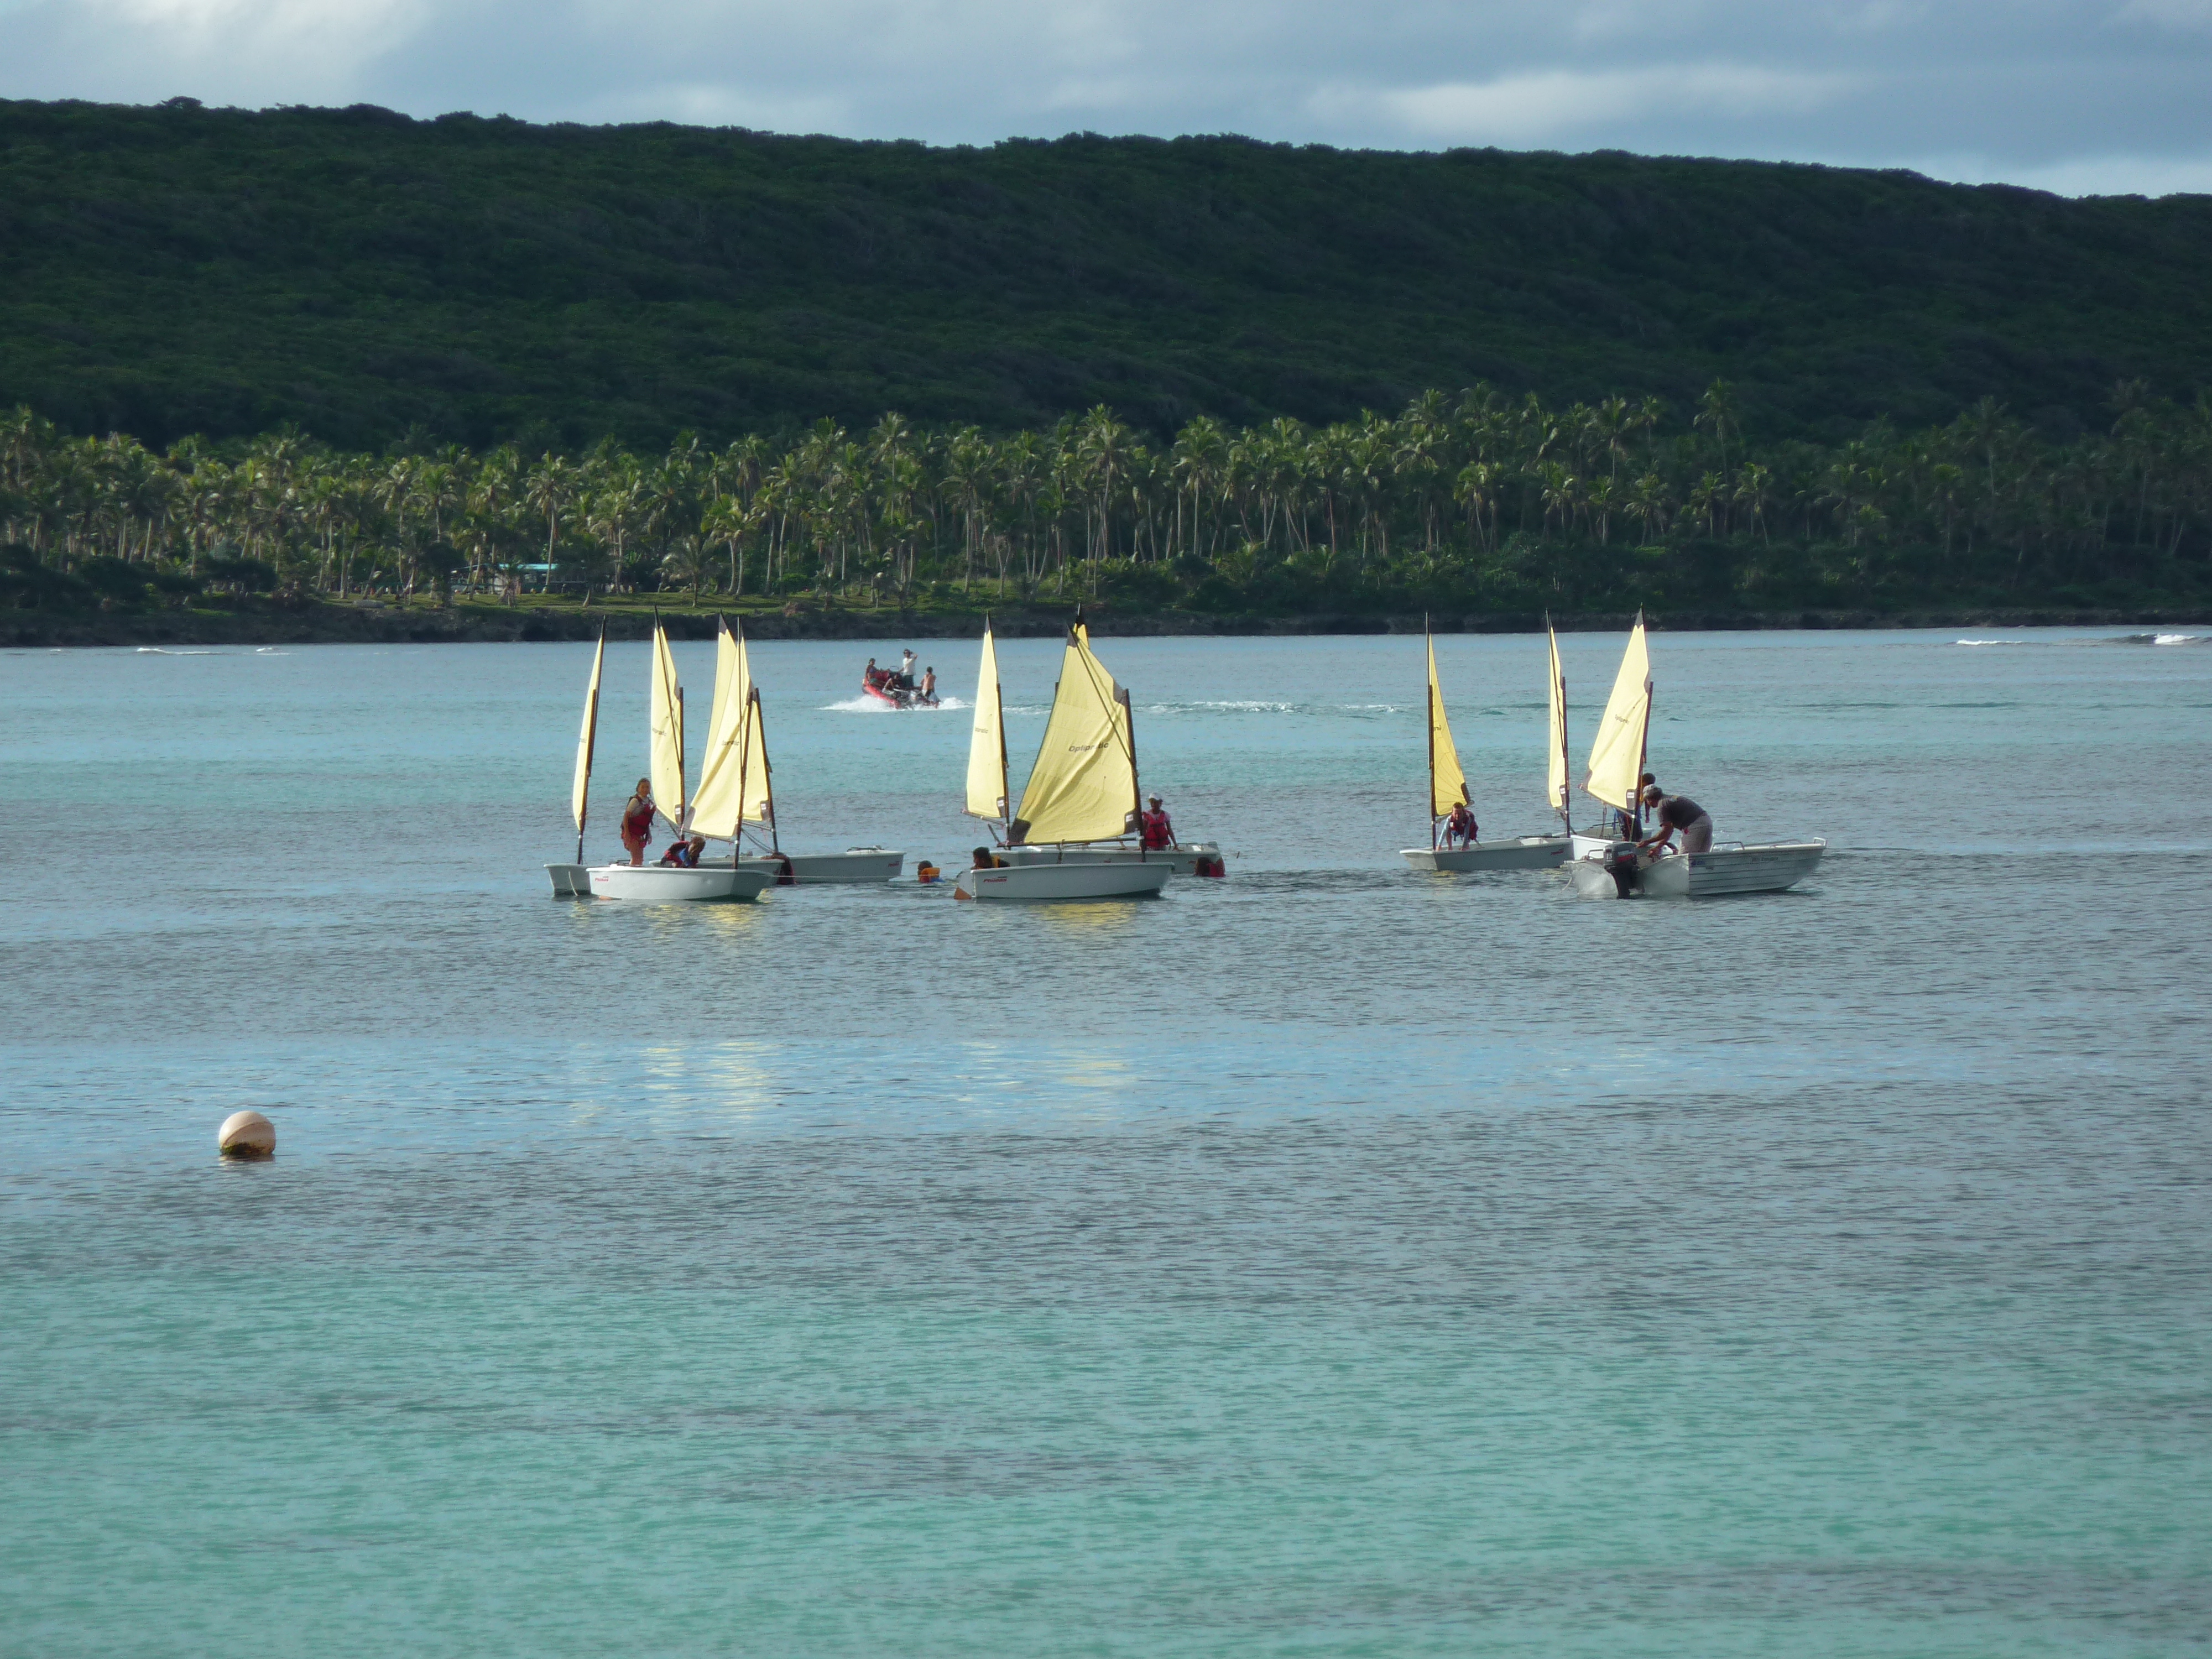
(2162, 639)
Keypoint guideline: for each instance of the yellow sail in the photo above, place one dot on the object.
(986, 744)
(667, 717)
(1447, 783)
(1617, 757)
(1556, 736)
(721, 768)
(758, 797)
(579, 793)
(1084, 785)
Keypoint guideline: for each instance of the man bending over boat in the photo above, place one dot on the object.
(1461, 827)
(684, 854)
(637, 820)
(1152, 825)
(1677, 815)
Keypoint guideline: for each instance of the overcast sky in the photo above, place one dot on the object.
(2073, 95)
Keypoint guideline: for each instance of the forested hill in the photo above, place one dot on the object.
(176, 270)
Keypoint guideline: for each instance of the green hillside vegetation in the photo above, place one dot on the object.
(1477, 503)
(362, 276)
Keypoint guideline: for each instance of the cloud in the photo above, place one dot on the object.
(2102, 91)
(1537, 107)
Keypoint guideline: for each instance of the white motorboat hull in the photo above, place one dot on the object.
(853, 864)
(1526, 853)
(1768, 867)
(1183, 858)
(570, 880)
(668, 884)
(1072, 878)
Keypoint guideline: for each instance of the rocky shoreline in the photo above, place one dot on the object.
(314, 623)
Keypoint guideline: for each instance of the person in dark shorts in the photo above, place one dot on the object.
(1677, 815)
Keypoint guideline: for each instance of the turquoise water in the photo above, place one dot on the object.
(1331, 1260)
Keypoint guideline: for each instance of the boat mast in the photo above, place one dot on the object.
(1643, 743)
(591, 743)
(1429, 697)
(768, 773)
(1136, 789)
(1005, 787)
(1559, 697)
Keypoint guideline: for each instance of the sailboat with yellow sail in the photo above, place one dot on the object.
(1082, 794)
(1608, 863)
(574, 880)
(1448, 789)
(1083, 790)
(736, 794)
(662, 884)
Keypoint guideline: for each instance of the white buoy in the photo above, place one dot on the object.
(247, 1134)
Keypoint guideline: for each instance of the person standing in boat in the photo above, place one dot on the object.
(1461, 827)
(1677, 815)
(637, 820)
(929, 685)
(906, 672)
(1153, 826)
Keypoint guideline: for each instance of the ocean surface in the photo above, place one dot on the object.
(1329, 1259)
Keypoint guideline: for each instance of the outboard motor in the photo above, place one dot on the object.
(1620, 865)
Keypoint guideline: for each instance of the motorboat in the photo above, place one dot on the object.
(675, 883)
(1622, 870)
(1077, 876)
(1448, 792)
(737, 789)
(886, 688)
(1085, 770)
(1607, 861)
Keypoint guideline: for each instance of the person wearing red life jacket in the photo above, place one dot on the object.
(637, 820)
(684, 854)
(1460, 826)
(1152, 825)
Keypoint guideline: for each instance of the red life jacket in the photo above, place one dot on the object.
(637, 822)
(1156, 830)
(679, 854)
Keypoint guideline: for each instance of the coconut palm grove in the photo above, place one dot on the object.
(262, 359)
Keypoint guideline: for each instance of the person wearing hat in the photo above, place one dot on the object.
(1677, 815)
(1157, 833)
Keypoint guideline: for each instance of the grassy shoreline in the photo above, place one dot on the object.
(323, 622)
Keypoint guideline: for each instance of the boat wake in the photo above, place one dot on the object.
(2164, 639)
(159, 651)
(864, 704)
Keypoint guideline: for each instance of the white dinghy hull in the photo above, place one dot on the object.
(854, 866)
(667, 883)
(1525, 852)
(1035, 884)
(1769, 867)
(1183, 858)
(570, 880)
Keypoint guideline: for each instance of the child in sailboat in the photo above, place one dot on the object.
(1461, 827)
(1158, 833)
(637, 820)
(684, 854)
